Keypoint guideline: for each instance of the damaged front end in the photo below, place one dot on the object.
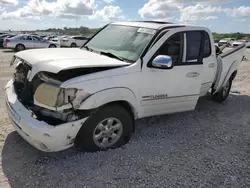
(44, 96)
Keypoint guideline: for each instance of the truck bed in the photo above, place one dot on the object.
(228, 62)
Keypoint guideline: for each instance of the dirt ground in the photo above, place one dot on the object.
(208, 147)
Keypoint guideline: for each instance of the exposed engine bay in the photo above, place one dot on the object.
(44, 97)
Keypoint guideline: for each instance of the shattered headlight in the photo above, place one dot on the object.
(53, 96)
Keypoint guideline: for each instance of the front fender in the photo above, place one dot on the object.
(111, 95)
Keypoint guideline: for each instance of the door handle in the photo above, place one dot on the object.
(192, 74)
(211, 65)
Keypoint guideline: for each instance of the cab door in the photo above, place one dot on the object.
(209, 64)
(177, 88)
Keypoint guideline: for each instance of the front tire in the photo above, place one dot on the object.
(108, 128)
(223, 94)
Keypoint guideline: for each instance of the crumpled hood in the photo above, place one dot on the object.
(56, 59)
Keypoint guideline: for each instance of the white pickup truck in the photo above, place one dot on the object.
(90, 97)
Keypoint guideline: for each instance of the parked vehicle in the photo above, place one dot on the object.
(73, 41)
(91, 96)
(2, 37)
(228, 41)
(49, 38)
(1, 33)
(239, 42)
(22, 42)
(248, 44)
(42, 36)
(55, 39)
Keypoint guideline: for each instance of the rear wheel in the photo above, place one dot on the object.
(223, 94)
(108, 128)
(52, 46)
(73, 45)
(20, 47)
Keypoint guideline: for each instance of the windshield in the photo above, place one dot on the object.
(125, 42)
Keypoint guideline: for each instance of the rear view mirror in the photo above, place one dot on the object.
(163, 62)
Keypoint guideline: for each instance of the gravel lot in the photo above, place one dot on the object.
(209, 147)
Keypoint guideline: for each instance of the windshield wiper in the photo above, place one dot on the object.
(88, 48)
(111, 55)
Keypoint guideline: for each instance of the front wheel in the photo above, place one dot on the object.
(108, 128)
(223, 94)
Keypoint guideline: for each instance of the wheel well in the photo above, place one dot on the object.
(234, 75)
(127, 106)
(124, 104)
(20, 44)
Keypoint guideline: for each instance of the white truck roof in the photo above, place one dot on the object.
(155, 24)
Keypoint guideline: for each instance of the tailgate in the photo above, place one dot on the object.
(228, 63)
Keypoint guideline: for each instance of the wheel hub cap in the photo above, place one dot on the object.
(107, 132)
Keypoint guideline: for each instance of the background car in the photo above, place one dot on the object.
(216, 42)
(1, 33)
(2, 37)
(73, 41)
(239, 42)
(248, 44)
(228, 41)
(50, 37)
(22, 42)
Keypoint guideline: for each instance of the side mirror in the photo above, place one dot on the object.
(163, 62)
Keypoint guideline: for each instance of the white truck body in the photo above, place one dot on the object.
(146, 89)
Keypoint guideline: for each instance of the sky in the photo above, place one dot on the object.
(222, 16)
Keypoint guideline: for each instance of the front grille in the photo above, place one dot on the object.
(21, 83)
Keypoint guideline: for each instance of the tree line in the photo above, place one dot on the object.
(231, 35)
(89, 31)
(72, 31)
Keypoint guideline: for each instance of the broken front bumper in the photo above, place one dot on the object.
(39, 134)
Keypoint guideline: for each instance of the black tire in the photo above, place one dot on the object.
(223, 94)
(85, 138)
(20, 47)
(73, 45)
(52, 46)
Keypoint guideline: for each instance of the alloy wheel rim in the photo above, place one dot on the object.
(20, 48)
(107, 132)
